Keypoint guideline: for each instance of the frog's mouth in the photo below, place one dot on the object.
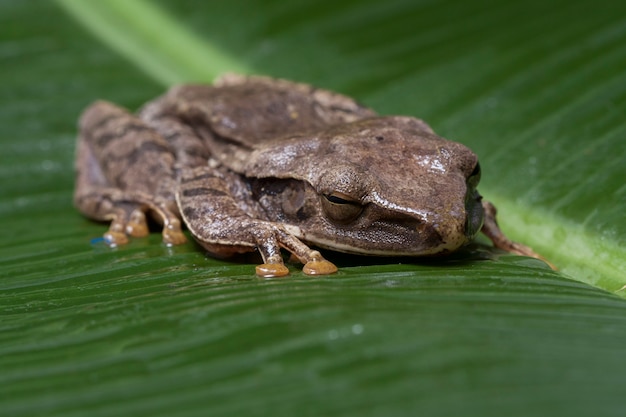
(398, 236)
(392, 244)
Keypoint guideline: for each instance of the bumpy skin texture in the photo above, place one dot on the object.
(254, 163)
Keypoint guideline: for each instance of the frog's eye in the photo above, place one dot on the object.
(341, 208)
(474, 177)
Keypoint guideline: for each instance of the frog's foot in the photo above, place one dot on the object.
(269, 241)
(318, 265)
(173, 233)
(116, 235)
(314, 262)
(273, 267)
(137, 225)
(267, 245)
(172, 229)
(127, 214)
(492, 231)
(124, 222)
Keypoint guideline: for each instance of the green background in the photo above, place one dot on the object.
(537, 89)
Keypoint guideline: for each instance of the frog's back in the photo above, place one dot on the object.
(252, 110)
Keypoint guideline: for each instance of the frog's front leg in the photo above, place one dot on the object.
(492, 231)
(124, 170)
(208, 201)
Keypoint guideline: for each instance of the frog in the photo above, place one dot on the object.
(254, 163)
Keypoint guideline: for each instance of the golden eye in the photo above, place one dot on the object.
(340, 208)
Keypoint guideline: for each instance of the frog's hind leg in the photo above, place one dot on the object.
(271, 238)
(314, 262)
(127, 214)
(126, 219)
(124, 170)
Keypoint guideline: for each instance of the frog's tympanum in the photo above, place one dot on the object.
(254, 163)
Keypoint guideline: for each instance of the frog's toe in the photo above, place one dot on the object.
(172, 234)
(115, 238)
(319, 267)
(137, 225)
(271, 270)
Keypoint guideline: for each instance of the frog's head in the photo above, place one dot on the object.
(383, 186)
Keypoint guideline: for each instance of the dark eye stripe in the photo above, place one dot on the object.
(338, 200)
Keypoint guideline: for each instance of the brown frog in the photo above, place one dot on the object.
(254, 163)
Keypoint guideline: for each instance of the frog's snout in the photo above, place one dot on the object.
(445, 231)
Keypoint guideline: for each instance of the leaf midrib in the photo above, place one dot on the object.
(156, 43)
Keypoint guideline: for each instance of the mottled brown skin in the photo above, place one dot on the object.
(254, 163)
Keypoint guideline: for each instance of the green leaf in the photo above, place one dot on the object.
(536, 88)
